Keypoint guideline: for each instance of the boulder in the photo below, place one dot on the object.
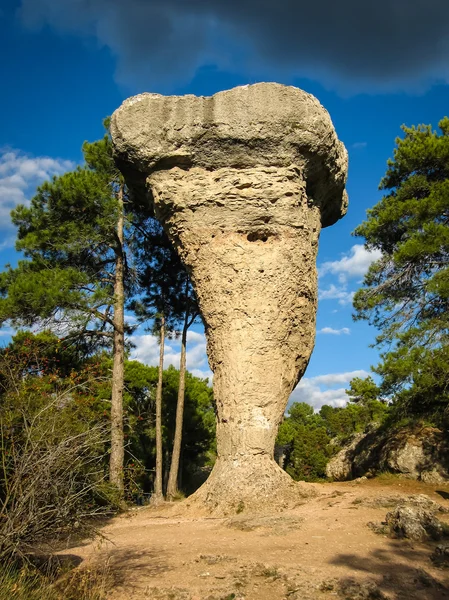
(340, 467)
(420, 453)
(414, 523)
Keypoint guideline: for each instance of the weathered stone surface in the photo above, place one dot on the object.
(340, 467)
(414, 523)
(421, 454)
(434, 477)
(242, 181)
(252, 126)
(394, 500)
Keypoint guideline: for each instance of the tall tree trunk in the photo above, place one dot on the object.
(172, 487)
(117, 437)
(158, 492)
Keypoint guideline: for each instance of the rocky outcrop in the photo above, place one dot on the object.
(341, 466)
(421, 453)
(413, 523)
(392, 501)
(413, 517)
(242, 181)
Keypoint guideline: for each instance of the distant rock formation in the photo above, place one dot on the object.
(420, 453)
(242, 182)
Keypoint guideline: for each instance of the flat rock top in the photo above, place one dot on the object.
(266, 124)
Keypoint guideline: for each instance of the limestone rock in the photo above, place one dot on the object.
(340, 467)
(405, 455)
(263, 125)
(440, 556)
(421, 454)
(242, 182)
(350, 589)
(392, 501)
(417, 453)
(414, 523)
(434, 477)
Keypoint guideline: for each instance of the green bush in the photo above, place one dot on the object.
(311, 439)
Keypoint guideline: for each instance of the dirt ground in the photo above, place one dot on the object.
(320, 550)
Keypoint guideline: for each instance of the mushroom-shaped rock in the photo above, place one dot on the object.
(242, 182)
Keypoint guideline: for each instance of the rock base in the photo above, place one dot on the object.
(247, 485)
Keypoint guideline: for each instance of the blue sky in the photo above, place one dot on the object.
(66, 64)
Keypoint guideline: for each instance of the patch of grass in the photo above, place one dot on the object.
(24, 583)
(178, 496)
(240, 507)
(86, 584)
(267, 571)
(29, 583)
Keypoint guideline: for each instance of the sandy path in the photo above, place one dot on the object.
(312, 552)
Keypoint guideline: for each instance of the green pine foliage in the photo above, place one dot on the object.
(198, 445)
(311, 439)
(406, 292)
(54, 403)
(68, 237)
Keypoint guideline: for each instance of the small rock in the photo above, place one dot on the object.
(433, 477)
(414, 523)
(440, 556)
(380, 528)
(354, 590)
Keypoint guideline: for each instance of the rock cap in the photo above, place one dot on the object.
(265, 124)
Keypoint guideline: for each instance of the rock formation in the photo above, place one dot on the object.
(416, 453)
(242, 182)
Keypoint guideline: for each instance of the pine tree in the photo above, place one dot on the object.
(160, 278)
(190, 314)
(77, 238)
(406, 292)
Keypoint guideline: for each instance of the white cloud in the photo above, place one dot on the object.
(195, 337)
(147, 351)
(337, 378)
(336, 293)
(7, 242)
(331, 331)
(359, 145)
(130, 319)
(20, 175)
(320, 390)
(353, 264)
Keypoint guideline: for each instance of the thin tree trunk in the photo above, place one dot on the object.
(117, 437)
(181, 467)
(172, 488)
(158, 492)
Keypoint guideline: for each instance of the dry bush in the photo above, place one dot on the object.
(52, 480)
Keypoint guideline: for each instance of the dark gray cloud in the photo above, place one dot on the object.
(353, 45)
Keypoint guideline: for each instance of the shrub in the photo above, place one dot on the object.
(52, 477)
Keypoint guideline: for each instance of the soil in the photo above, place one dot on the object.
(320, 550)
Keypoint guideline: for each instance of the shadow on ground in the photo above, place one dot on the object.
(131, 568)
(393, 573)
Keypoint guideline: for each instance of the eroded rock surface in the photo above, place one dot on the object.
(419, 453)
(414, 523)
(242, 181)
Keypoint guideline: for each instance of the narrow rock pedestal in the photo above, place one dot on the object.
(242, 182)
